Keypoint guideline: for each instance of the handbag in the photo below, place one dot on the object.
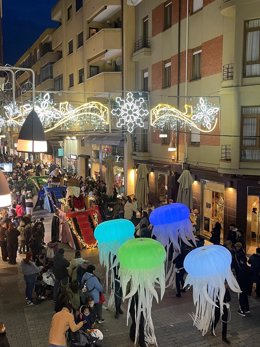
(102, 298)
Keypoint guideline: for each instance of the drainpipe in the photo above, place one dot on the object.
(122, 42)
(178, 77)
(186, 74)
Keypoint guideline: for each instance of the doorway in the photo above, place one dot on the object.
(253, 225)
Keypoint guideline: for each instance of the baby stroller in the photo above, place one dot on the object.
(82, 339)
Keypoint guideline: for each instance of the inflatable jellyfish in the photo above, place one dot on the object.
(208, 268)
(142, 266)
(171, 224)
(110, 236)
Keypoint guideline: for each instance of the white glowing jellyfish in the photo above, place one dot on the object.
(208, 268)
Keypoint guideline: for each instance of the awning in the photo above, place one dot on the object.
(107, 139)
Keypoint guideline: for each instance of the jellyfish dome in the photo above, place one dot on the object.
(110, 236)
(208, 268)
(172, 223)
(142, 265)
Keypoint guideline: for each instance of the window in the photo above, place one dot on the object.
(93, 70)
(70, 47)
(167, 74)
(69, 12)
(252, 48)
(58, 82)
(81, 75)
(79, 4)
(71, 80)
(145, 80)
(82, 142)
(145, 32)
(250, 143)
(80, 39)
(92, 31)
(196, 65)
(167, 15)
(46, 72)
(197, 5)
(166, 140)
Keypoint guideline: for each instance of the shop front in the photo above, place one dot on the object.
(253, 222)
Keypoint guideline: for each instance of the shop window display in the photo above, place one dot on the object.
(213, 209)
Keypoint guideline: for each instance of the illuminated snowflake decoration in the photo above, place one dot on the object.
(131, 112)
(12, 115)
(205, 113)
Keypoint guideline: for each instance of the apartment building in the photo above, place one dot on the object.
(1, 32)
(209, 48)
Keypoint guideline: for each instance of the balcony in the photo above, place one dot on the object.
(57, 37)
(104, 82)
(101, 10)
(142, 49)
(105, 41)
(56, 12)
(50, 57)
(227, 8)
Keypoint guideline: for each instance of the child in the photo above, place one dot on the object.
(3, 338)
(86, 315)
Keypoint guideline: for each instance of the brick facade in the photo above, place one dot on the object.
(158, 19)
(211, 58)
(157, 75)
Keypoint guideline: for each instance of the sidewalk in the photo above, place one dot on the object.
(29, 326)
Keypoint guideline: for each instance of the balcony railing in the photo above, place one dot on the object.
(228, 72)
(142, 43)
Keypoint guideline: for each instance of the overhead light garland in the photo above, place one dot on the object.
(202, 117)
(91, 114)
(131, 112)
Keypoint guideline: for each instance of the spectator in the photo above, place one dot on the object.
(30, 272)
(61, 322)
(215, 234)
(254, 260)
(12, 243)
(74, 263)
(129, 208)
(60, 271)
(29, 203)
(94, 288)
(3, 242)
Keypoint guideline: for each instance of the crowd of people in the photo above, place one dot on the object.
(74, 287)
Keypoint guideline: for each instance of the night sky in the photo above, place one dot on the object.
(23, 22)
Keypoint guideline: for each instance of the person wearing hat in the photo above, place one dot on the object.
(30, 272)
(60, 265)
(94, 288)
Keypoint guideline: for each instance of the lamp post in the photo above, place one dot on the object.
(31, 138)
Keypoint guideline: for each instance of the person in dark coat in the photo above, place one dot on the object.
(3, 338)
(244, 281)
(215, 234)
(180, 272)
(224, 317)
(254, 261)
(55, 227)
(3, 242)
(12, 243)
(132, 311)
(239, 256)
(60, 265)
